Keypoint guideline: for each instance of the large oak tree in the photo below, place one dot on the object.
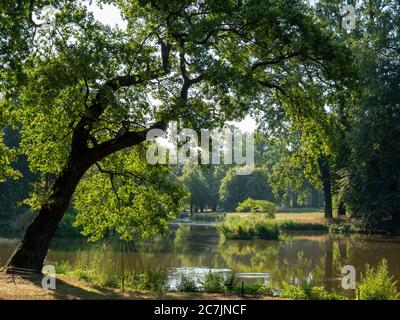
(84, 95)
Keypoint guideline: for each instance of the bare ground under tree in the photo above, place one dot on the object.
(29, 288)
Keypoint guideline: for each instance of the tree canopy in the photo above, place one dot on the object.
(83, 95)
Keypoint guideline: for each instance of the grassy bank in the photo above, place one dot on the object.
(23, 288)
(154, 280)
(375, 284)
(302, 219)
(252, 226)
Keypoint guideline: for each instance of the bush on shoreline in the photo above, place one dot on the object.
(377, 284)
(216, 283)
(257, 226)
(308, 292)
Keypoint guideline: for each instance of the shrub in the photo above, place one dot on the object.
(254, 288)
(94, 268)
(337, 228)
(187, 284)
(250, 227)
(230, 283)
(257, 206)
(96, 277)
(291, 291)
(63, 267)
(376, 284)
(148, 280)
(306, 291)
(214, 283)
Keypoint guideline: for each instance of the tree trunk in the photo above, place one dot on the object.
(32, 250)
(341, 209)
(287, 201)
(329, 264)
(343, 245)
(326, 184)
(191, 205)
(214, 205)
(294, 200)
(314, 198)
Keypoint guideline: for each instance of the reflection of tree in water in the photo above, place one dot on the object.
(305, 270)
(295, 261)
(329, 264)
(195, 239)
(319, 260)
(248, 256)
(194, 246)
(187, 245)
(360, 250)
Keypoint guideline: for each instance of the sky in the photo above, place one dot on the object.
(110, 15)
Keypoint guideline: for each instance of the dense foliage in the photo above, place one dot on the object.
(377, 284)
(257, 206)
(371, 178)
(75, 86)
(254, 226)
(235, 188)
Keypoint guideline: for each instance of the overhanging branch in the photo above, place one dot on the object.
(274, 61)
(82, 130)
(125, 140)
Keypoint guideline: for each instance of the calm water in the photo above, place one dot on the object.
(195, 250)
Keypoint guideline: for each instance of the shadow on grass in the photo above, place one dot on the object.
(29, 287)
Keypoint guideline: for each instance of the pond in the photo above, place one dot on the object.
(194, 251)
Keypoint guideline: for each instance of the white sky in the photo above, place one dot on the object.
(111, 15)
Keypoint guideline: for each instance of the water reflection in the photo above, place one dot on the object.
(195, 250)
(198, 275)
